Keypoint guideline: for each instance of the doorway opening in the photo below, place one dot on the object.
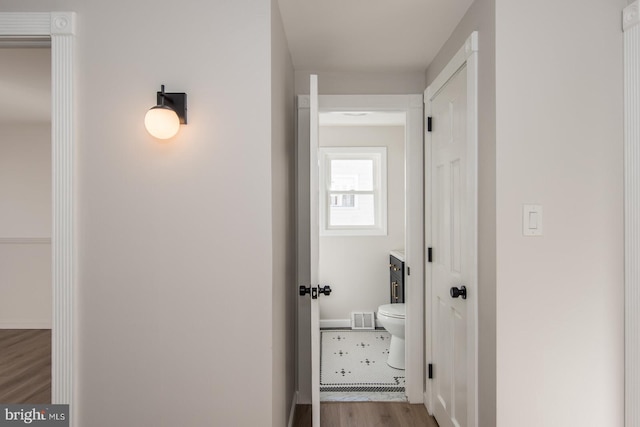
(25, 222)
(59, 27)
(412, 108)
(362, 223)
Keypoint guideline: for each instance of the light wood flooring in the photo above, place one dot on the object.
(366, 414)
(25, 366)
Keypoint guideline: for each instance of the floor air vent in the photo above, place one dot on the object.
(363, 320)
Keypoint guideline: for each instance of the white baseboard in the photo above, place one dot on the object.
(25, 324)
(335, 323)
(340, 323)
(425, 401)
(292, 411)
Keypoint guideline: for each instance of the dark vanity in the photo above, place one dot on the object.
(396, 274)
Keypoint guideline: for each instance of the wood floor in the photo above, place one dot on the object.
(25, 366)
(366, 414)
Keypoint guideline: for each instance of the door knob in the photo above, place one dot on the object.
(459, 292)
(326, 290)
(314, 291)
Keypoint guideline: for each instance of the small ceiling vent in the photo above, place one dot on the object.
(363, 320)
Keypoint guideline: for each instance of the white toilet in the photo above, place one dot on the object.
(392, 318)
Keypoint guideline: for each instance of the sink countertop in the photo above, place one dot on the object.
(398, 253)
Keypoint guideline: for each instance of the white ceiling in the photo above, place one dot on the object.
(25, 85)
(368, 35)
(323, 35)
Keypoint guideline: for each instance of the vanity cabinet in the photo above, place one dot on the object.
(396, 274)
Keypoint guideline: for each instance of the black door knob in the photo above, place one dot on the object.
(326, 290)
(459, 292)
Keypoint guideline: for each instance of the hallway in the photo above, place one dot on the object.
(366, 414)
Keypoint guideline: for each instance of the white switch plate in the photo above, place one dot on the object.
(532, 220)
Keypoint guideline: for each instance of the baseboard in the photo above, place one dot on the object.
(340, 324)
(25, 324)
(292, 411)
(335, 323)
(426, 402)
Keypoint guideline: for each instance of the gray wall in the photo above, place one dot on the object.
(361, 83)
(481, 17)
(283, 217)
(25, 180)
(557, 341)
(25, 225)
(559, 115)
(175, 239)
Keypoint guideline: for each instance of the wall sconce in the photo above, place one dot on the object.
(163, 121)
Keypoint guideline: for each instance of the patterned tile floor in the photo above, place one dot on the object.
(354, 367)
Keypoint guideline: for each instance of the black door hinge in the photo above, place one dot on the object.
(429, 124)
(429, 254)
(430, 371)
(408, 271)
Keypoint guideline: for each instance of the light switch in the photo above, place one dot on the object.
(532, 220)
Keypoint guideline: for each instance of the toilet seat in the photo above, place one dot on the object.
(395, 311)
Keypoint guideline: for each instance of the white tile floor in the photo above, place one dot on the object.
(357, 360)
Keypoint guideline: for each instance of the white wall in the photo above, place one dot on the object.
(25, 180)
(481, 17)
(175, 286)
(357, 267)
(25, 225)
(283, 217)
(559, 144)
(361, 83)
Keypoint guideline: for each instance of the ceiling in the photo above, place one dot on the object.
(323, 35)
(368, 35)
(25, 85)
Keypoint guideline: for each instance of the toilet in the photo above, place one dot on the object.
(391, 316)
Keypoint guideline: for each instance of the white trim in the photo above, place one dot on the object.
(335, 323)
(25, 324)
(340, 324)
(630, 16)
(303, 271)
(467, 54)
(314, 246)
(25, 240)
(292, 409)
(60, 26)
(632, 213)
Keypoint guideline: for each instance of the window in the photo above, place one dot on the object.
(353, 191)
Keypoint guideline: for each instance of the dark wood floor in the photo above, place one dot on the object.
(366, 414)
(25, 366)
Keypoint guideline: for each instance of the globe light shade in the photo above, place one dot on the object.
(162, 122)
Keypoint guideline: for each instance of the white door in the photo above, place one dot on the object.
(308, 250)
(314, 233)
(451, 251)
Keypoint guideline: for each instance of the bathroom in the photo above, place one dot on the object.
(356, 260)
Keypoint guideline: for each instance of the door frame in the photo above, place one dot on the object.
(412, 106)
(60, 28)
(631, 28)
(467, 54)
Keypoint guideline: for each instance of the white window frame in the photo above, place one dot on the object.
(379, 157)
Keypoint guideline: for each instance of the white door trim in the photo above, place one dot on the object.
(60, 27)
(412, 106)
(467, 54)
(630, 20)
